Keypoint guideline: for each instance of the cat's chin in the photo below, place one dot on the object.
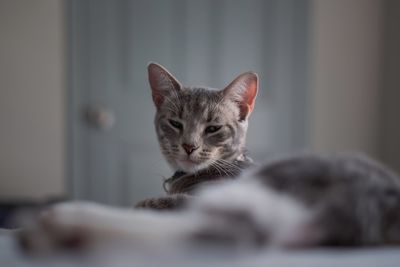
(190, 166)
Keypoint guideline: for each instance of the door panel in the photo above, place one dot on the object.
(203, 43)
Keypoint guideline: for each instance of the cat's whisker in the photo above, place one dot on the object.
(229, 164)
(226, 171)
(230, 168)
(216, 167)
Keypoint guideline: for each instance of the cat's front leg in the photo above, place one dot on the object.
(64, 225)
(172, 202)
(83, 225)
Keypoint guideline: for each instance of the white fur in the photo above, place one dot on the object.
(278, 214)
(110, 225)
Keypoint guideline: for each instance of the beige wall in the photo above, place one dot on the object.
(345, 75)
(31, 99)
(390, 124)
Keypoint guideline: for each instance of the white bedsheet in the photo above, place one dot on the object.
(10, 256)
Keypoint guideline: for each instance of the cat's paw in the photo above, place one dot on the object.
(153, 203)
(162, 203)
(58, 227)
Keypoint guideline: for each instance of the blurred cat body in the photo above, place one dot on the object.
(296, 200)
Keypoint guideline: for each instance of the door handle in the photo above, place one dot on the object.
(100, 118)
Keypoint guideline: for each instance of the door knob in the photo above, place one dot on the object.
(100, 118)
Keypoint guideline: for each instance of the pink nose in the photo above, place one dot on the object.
(189, 148)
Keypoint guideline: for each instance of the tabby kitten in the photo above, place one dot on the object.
(201, 132)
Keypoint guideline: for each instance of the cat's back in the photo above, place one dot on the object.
(314, 177)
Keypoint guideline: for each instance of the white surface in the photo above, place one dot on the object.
(382, 257)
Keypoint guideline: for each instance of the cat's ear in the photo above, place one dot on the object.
(243, 90)
(161, 83)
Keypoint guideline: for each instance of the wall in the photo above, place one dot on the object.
(390, 124)
(345, 78)
(31, 99)
(347, 111)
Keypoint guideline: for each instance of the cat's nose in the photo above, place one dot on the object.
(189, 148)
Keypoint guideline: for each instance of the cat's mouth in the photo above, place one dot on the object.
(190, 161)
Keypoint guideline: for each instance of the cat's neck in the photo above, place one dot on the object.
(239, 157)
(186, 183)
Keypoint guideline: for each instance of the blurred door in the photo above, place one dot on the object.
(113, 150)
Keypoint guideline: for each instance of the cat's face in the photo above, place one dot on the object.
(199, 127)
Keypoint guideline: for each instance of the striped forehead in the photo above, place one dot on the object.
(199, 105)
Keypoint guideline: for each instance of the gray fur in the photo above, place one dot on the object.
(196, 108)
(357, 200)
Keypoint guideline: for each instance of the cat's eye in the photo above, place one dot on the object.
(176, 124)
(212, 129)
